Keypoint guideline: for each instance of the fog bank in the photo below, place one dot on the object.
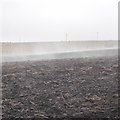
(57, 50)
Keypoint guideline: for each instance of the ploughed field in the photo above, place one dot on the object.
(66, 88)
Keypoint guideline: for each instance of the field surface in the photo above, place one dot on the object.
(66, 88)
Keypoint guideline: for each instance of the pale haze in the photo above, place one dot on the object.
(50, 20)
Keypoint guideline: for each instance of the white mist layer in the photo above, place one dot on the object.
(57, 50)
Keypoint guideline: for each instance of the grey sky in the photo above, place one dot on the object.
(49, 20)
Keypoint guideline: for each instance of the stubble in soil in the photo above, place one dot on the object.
(74, 88)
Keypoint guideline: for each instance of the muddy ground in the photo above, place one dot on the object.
(67, 88)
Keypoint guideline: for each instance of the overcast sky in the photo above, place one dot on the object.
(50, 20)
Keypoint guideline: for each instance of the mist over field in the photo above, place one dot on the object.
(59, 59)
(57, 50)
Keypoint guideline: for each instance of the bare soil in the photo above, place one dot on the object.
(66, 88)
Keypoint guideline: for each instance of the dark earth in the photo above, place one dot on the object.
(64, 88)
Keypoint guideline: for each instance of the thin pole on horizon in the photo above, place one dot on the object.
(19, 39)
(66, 36)
(97, 35)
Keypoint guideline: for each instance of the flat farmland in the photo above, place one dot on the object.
(64, 88)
